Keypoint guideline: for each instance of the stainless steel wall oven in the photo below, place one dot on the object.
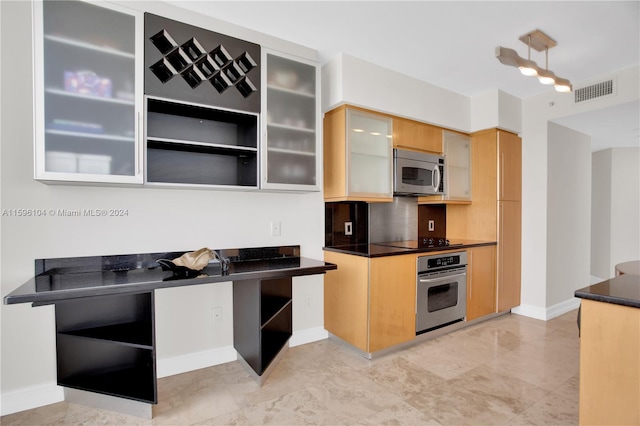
(441, 290)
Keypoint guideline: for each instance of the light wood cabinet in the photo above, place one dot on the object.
(509, 167)
(509, 254)
(495, 213)
(410, 134)
(481, 282)
(358, 162)
(392, 299)
(370, 302)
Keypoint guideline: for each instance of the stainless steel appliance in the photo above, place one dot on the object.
(417, 173)
(441, 290)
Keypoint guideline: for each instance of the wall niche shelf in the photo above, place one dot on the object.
(200, 145)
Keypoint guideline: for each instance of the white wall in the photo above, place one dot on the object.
(537, 111)
(601, 214)
(568, 213)
(158, 220)
(361, 83)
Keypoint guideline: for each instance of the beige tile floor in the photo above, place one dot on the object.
(511, 370)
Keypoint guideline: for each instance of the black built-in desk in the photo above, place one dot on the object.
(104, 309)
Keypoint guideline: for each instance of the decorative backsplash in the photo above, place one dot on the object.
(192, 64)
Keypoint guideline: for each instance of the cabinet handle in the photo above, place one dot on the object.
(501, 175)
(470, 275)
(140, 150)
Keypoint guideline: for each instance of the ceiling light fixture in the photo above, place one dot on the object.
(540, 42)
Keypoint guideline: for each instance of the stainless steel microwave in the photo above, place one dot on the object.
(417, 173)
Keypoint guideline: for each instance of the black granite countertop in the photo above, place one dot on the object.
(404, 247)
(622, 290)
(68, 278)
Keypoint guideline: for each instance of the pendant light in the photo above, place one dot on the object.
(540, 42)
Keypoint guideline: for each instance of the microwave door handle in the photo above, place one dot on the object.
(435, 176)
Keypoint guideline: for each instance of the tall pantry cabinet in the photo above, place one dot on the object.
(495, 211)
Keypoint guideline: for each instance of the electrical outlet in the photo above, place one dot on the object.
(217, 314)
(348, 228)
(432, 225)
(276, 229)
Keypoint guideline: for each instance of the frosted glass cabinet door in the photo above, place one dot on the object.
(290, 145)
(457, 151)
(88, 92)
(369, 166)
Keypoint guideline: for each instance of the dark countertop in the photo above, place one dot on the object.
(404, 247)
(622, 290)
(68, 278)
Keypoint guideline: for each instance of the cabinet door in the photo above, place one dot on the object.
(510, 167)
(457, 150)
(415, 135)
(290, 157)
(392, 298)
(369, 164)
(481, 282)
(88, 92)
(509, 254)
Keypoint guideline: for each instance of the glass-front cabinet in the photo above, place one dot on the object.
(369, 165)
(289, 151)
(88, 92)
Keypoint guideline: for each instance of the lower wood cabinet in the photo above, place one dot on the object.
(509, 254)
(481, 282)
(370, 302)
(106, 344)
(392, 301)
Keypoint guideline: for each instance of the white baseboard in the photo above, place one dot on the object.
(195, 361)
(30, 397)
(546, 314)
(308, 335)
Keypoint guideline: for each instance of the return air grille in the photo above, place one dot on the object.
(594, 91)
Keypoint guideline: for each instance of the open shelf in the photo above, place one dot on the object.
(130, 382)
(200, 145)
(136, 334)
(106, 344)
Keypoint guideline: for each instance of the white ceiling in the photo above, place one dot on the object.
(452, 44)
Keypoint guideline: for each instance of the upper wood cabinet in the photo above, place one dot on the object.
(409, 134)
(358, 161)
(509, 166)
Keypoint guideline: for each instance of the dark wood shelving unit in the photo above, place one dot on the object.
(106, 345)
(262, 315)
(200, 145)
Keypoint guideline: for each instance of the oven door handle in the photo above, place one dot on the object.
(439, 278)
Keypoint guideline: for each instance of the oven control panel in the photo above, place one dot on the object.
(434, 262)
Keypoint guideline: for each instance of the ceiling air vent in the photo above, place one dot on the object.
(598, 90)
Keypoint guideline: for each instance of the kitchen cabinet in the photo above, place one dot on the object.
(457, 178)
(88, 92)
(410, 134)
(106, 344)
(481, 282)
(509, 167)
(495, 214)
(290, 148)
(358, 161)
(509, 254)
(392, 301)
(198, 145)
(370, 302)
